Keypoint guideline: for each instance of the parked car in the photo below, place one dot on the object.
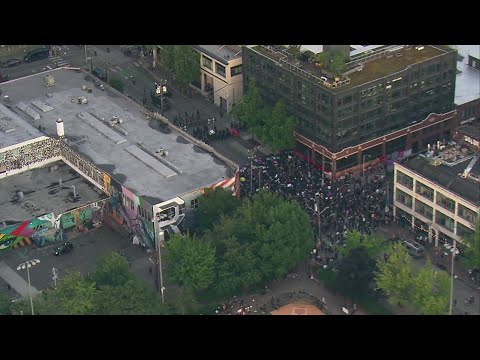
(64, 248)
(99, 73)
(474, 275)
(36, 54)
(12, 62)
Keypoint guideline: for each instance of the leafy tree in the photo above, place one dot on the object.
(74, 295)
(323, 58)
(279, 128)
(5, 305)
(374, 245)
(251, 109)
(431, 291)
(337, 64)
(213, 204)
(236, 267)
(355, 272)
(167, 56)
(395, 275)
(472, 251)
(187, 64)
(279, 231)
(183, 300)
(112, 269)
(134, 297)
(190, 261)
(117, 84)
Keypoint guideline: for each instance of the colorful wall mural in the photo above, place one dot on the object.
(48, 228)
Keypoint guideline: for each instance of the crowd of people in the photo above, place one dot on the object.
(352, 202)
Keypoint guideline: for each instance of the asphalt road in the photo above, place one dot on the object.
(88, 249)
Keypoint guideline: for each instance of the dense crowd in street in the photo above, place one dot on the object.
(350, 203)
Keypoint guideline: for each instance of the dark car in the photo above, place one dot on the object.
(99, 73)
(64, 248)
(12, 62)
(474, 275)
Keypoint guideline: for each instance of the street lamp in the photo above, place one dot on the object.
(451, 275)
(251, 157)
(319, 213)
(363, 166)
(161, 237)
(27, 265)
(161, 89)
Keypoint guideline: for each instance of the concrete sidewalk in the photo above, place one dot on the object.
(15, 280)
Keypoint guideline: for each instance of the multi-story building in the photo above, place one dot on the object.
(438, 193)
(151, 172)
(388, 100)
(221, 74)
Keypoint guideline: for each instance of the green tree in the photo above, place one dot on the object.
(213, 204)
(355, 272)
(374, 245)
(279, 128)
(116, 83)
(167, 56)
(323, 58)
(190, 261)
(251, 110)
(431, 290)
(5, 305)
(279, 231)
(183, 300)
(187, 64)
(236, 267)
(337, 64)
(112, 269)
(134, 297)
(74, 295)
(472, 250)
(395, 275)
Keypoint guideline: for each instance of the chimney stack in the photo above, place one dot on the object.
(60, 130)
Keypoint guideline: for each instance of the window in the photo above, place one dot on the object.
(207, 62)
(464, 231)
(446, 202)
(220, 69)
(424, 209)
(236, 70)
(424, 190)
(467, 214)
(194, 204)
(444, 220)
(404, 198)
(405, 180)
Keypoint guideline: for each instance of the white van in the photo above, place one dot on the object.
(414, 249)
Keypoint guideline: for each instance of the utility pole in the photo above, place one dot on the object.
(317, 206)
(451, 275)
(86, 57)
(55, 54)
(161, 237)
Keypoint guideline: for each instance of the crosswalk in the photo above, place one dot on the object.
(56, 60)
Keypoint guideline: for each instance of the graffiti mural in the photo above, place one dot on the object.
(48, 228)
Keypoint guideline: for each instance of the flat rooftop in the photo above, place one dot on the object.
(372, 70)
(128, 152)
(13, 129)
(43, 194)
(449, 177)
(222, 53)
(467, 85)
(470, 130)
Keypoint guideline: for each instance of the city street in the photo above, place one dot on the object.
(88, 249)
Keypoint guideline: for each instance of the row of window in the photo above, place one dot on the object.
(428, 193)
(219, 68)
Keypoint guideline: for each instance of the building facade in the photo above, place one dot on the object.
(434, 201)
(367, 112)
(221, 74)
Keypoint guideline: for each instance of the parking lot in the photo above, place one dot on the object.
(88, 248)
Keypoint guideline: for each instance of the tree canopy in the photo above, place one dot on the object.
(112, 269)
(431, 290)
(190, 261)
(472, 250)
(187, 64)
(355, 272)
(212, 205)
(374, 245)
(5, 305)
(395, 274)
(250, 110)
(279, 128)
